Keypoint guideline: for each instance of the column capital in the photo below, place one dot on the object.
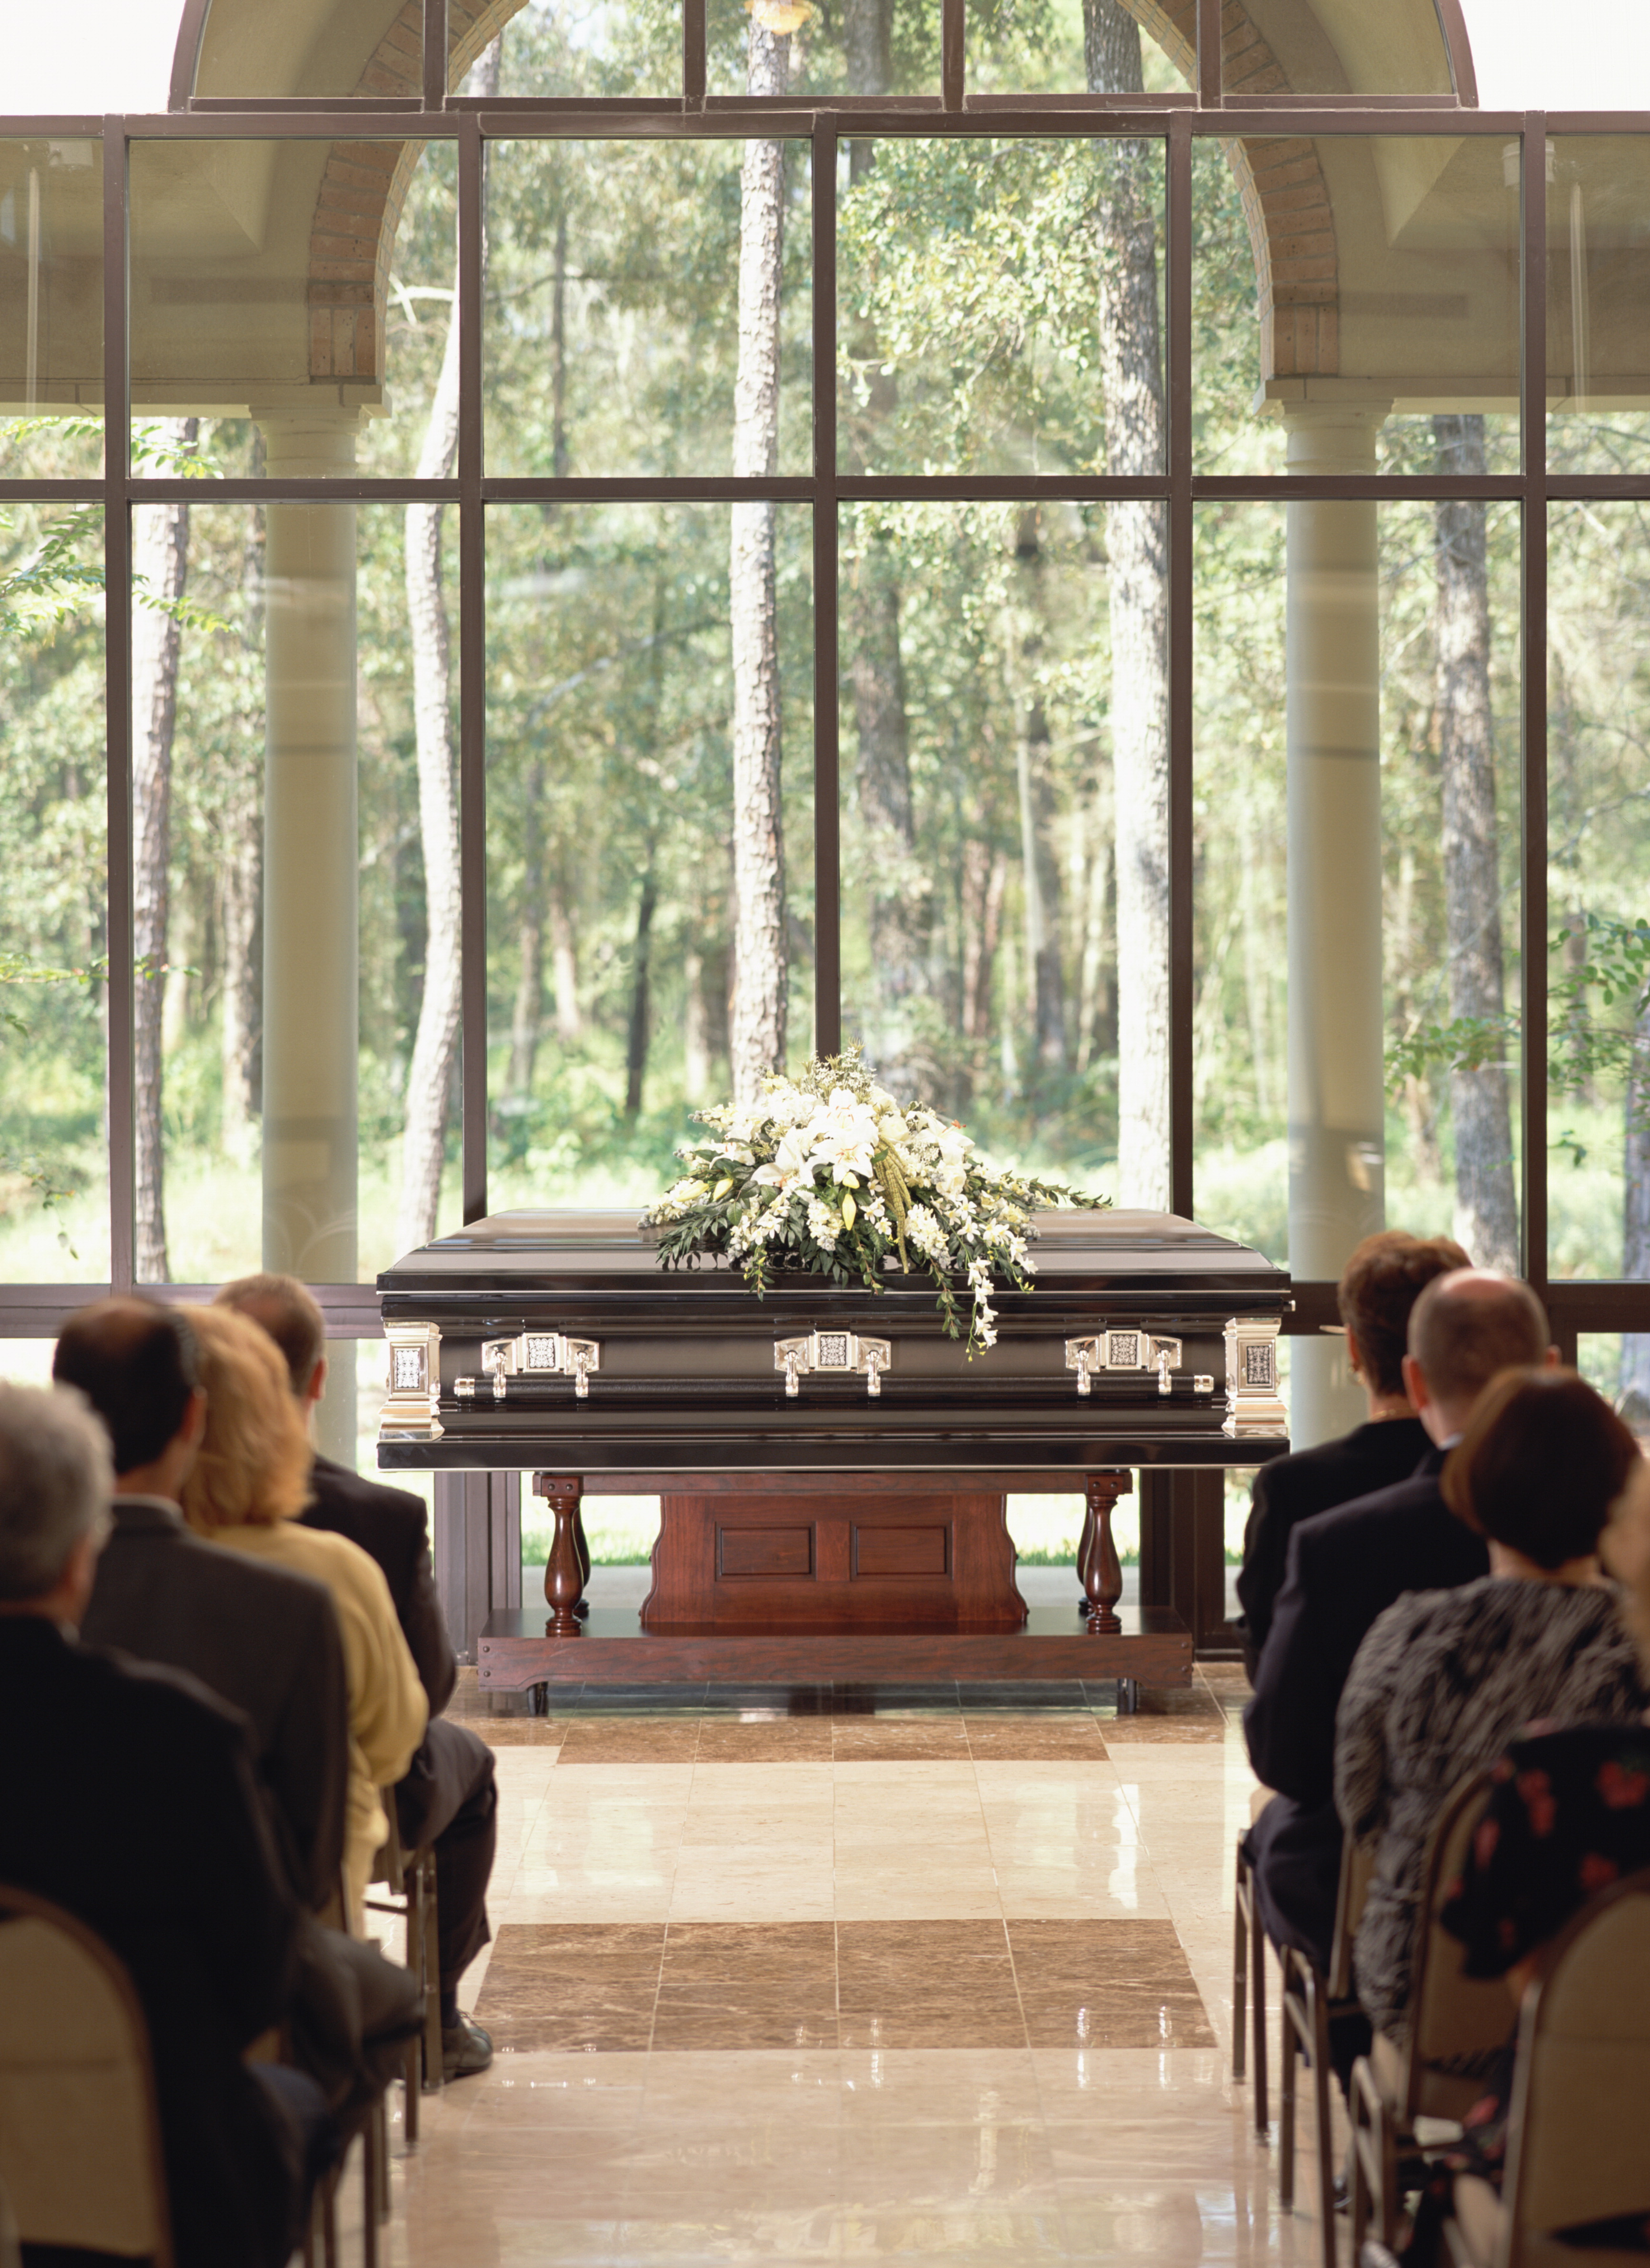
(1333, 437)
(300, 445)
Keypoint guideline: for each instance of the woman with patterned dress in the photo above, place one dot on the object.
(1444, 1679)
(1568, 1815)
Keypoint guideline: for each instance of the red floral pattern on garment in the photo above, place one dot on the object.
(1621, 1789)
(1596, 1872)
(1536, 1791)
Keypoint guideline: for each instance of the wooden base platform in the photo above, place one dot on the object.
(522, 1649)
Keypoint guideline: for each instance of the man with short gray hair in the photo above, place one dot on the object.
(131, 1804)
(55, 1481)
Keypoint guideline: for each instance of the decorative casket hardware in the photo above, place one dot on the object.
(413, 1389)
(1253, 1406)
(843, 1352)
(1128, 1350)
(536, 1354)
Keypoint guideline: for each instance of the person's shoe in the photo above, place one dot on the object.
(465, 2049)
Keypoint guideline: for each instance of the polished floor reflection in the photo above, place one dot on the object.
(939, 1975)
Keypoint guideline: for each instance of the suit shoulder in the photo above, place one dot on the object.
(149, 1700)
(1344, 1526)
(350, 1495)
(254, 1583)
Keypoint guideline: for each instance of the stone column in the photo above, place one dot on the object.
(1337, 1096)
(310, 864)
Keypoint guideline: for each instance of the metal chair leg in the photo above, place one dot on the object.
(1257, 1989)
(371, 2145)
(1240, 1968)
(1289, 2048)
(1317, 2004)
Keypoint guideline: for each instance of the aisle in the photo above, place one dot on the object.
(931, 1979)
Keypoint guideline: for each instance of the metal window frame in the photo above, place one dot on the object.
(36, 1309)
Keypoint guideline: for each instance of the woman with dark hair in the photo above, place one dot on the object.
(1445, 1678)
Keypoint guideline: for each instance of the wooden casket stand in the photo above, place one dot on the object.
(816, 1578)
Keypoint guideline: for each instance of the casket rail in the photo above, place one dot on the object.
(557, 1339)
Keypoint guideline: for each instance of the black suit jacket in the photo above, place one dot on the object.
(1344, 1567)
(389, 1525)
(260, 1638)
(126, 1795)
(1292, 1488)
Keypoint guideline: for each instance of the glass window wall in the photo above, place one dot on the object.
(1294, 925)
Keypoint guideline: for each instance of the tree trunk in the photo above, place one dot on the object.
(558, 357)
(1634, 1400)
(695, 1031)
(758, 1036)
(1040, 886)
(435, 1046)
(1487, 1213)
(569, 1024)
(529, 1005)
(636, 1046)
(1131, 390)
(241, 889)
(160, 561)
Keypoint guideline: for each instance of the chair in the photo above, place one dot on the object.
(80, 2155)
(1457, 2028)
(1249, 1971)
(1576, 2149)
(410, 1877)
(1310, 2003)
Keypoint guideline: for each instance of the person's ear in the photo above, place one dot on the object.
(1354, 1360)
(1415, 1384)
(317, 1385)
(1551, 1358)
(193, 1430)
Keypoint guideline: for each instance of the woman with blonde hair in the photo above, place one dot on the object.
(250, 1484)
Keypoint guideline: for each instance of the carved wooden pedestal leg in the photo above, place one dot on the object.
(1083, 1543)
(564, 1570)
(1099, 1570)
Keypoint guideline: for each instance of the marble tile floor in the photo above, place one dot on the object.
(903, 1976)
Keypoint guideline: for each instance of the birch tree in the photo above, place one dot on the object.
(1131, 388)
(1486, 1212)
(876, 677)
(160, 563)
(436, 1044)
(758, 1035)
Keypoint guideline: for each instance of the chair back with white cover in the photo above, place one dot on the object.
(80, 2159)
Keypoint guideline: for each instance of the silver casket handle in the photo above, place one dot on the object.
(537, 1354)
(1123, 1349)
(841, 1353)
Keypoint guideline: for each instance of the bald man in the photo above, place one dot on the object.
(1345, 1567)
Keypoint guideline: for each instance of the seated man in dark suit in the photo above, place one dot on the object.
(127, 1796)
(450, 1796)
(1347, 1567)
(1380, 1285)
(260, 1638)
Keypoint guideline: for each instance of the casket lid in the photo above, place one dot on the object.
(609, 1248)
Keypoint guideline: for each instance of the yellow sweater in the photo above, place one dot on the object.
(387, 1708)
